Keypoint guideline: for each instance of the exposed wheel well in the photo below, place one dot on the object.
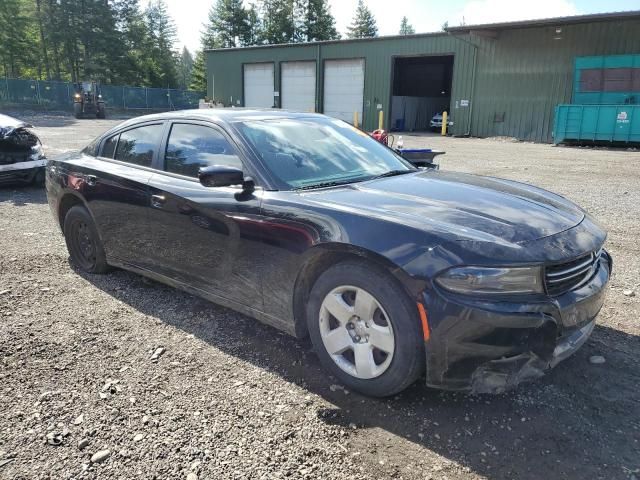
(323, 260)
(68, 201)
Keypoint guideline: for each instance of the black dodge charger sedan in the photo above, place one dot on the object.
(309, 225)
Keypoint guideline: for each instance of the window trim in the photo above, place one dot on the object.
(104, 143)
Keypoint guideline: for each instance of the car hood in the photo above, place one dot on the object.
(459, 206)
(9, 124)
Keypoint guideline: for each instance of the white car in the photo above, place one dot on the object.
(22, 159)
(436, 122)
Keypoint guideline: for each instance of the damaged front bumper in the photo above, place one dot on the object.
(22, 159)
(487, 347)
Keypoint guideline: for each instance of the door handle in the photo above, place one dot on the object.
(91, 180)
(158, 201)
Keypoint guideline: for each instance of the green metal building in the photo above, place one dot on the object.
(494, 80)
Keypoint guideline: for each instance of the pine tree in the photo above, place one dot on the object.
(406, 28)
(208, 40)
(161, 67)
(14, 34)
(318, 24)
(199, 73)
(253, 31)
(279, 21)
(185, 69)
(132, 29)
(228, 19)
(363, 24)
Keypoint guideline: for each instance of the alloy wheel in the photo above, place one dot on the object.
(356, 332)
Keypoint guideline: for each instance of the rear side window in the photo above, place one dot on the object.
(191, 147)
(109, 147)
(137, 145)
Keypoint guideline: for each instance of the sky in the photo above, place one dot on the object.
(424, 15)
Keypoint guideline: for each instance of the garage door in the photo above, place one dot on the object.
(344, 88)
(299, 86)
(258, 85)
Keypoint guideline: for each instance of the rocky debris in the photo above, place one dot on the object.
(192, 476)
(261, 413)
(100, 456)
(79, 419)
(629, 293)
(110, 388)
(138, 437)
(157, 354)
(55, 438)
(597, 360)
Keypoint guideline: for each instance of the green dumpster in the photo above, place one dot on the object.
(597, 123)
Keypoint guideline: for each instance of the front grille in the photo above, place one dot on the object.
(570, 275)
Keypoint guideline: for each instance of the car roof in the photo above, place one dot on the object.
(223, 115)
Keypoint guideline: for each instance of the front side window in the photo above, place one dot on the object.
(138, 144)
(313, 152)
(191, 147)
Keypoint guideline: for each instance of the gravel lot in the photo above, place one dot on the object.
(231, 398)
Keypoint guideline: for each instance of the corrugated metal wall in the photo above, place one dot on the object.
(519, 78)
(523, 74)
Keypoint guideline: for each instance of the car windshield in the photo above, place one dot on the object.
(310, 153)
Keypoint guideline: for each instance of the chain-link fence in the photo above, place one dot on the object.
(51, 94)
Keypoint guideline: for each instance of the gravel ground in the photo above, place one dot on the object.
(83, 396)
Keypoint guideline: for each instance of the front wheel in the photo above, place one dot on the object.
(365, 329)
(83, 242)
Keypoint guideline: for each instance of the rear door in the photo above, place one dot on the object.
(114, 184)
(205, 237)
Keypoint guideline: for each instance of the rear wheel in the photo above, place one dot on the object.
(101, 113)
(77, 110)
(365, 329)
(83, 243)
(39, 178)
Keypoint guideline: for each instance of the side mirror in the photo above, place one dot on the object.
(222, 176)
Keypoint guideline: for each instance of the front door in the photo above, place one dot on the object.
(206, 237)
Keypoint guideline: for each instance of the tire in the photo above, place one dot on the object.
(101, 113)
(77, 110)
(83, 242)
(39, 178)
(387, 334)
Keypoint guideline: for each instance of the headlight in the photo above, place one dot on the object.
(487, 281)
